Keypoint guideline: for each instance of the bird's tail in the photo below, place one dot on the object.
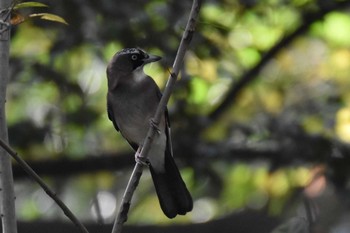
(174, 198)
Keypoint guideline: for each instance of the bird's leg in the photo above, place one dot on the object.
(140, 159)
(154, 125)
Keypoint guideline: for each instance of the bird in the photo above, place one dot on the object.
(132, 100)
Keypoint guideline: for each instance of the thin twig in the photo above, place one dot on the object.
(97, 207)
(42, 184)
(137, 172)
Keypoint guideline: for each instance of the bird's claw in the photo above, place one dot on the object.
(154, 125)
(141, 160)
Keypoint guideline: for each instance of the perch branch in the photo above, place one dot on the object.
(137, 172)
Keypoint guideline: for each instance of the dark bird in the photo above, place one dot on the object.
(132, 101)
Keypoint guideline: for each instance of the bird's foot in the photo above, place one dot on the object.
(140, 159)
(154, 125)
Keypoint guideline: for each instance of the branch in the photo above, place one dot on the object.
(7, 194)
(5, 26)
(252, 74)
(66, 167)
(42, 184)
(137, 172)
(301, 148)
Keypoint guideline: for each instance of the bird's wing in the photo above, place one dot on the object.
(111, 115)
(167, 126)
(112, 118)
(168, 132)
(159, 95)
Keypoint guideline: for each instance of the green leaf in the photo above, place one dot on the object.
(29, 4)
(50, 17)
(336, 28)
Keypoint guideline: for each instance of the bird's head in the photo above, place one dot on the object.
(129, 59)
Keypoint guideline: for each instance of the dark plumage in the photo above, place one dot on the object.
(132, 100)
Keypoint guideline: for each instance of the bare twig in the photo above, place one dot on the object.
(97, 207)
(137, 172)
(42, 184)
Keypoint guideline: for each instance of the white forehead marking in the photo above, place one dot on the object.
(130, 51)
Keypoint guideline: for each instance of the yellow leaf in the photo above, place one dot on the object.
(342, 127)
(50, 17)
(28, 4)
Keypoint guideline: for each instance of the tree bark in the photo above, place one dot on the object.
(8, 214)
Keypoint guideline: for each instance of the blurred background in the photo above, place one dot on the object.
(260, 114)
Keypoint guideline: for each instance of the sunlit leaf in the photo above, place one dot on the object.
(336, 28)
(199, 90)
(272, 100)
(29, 4)
(342, 127)
(50, 17)
(313, 124)
(279, 184)
(248, 56)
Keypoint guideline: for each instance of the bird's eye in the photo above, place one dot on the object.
(134, 57)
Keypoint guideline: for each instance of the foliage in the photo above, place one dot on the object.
(291, 116)
(17, 17)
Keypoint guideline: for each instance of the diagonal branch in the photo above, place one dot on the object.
(137, 172)
(42, 184)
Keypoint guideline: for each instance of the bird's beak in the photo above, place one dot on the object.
(151, 58)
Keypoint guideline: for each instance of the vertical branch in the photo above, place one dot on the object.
(137, 172)
(7, 196)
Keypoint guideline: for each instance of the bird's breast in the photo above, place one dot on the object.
(133, 109)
